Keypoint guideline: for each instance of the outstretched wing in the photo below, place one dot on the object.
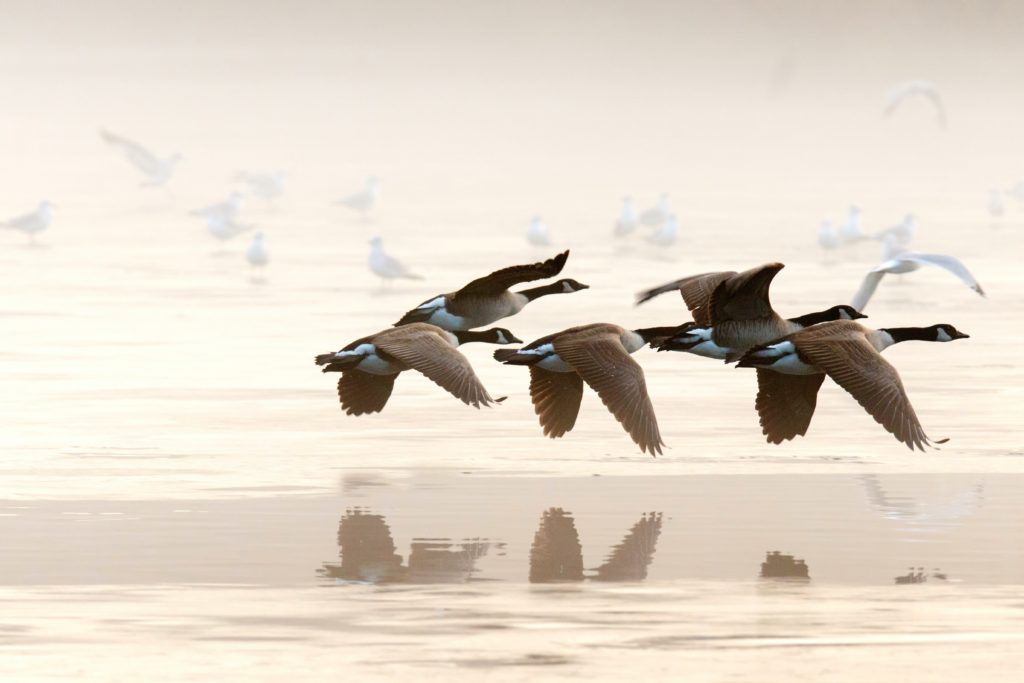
(361, 393)
(556, 399)
(868, 287)
(744, 296)
(139, 156)
(950, 263)
(696, 291)
(441, 362)
(500, 280)
(785, 403)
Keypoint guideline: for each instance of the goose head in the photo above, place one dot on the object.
(495, 335)
(845, 312)
(569, 285)
(944, 332)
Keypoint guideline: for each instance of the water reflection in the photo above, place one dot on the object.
(918, 575)
(913, 512)
(779, 566)
(557, 555)
(368, 555)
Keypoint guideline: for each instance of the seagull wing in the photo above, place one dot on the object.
(868, 286)
(950, 263)
(139, 156)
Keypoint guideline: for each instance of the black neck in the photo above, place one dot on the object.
(814, 318)
(466, 336)
(902, 334)
(654, 333)
(538, 292)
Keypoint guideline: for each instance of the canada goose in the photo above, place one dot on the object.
(537, 233)
(487, 299)
(908, 262)
(597, 354)
(387, 267)
(918, 88)
(627, 220)
(369, 366)
(33, 222)
(790, 371)
(657, 214)
(256, 254)
(365, 200)
(158, 171)
(732, 312)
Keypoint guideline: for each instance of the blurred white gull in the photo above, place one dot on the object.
(907, 262)
(365, 200)
(851, 230)
(256, 254)
(226, 210)
(828, 237)
(665, 235)
(659, 213)
(995, 204)
(627, 218)
(537, 233)
(268, 186)
(1017, 191)
(900, 234)
(157, 170)
(32, 223)
(903, 91)
(387, 267)
(224, 228)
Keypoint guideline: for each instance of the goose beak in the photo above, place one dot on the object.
(514, 340)
(961, 335)
(859, 315)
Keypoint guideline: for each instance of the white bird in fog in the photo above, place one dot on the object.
(157, 170)
(224, 228)
(907, 262)
(657, 214)
(1017, 191)
(851, 230)
(995, 204)
(365, 200)
(828, 238)
(256, 254)
(386, 266)
(909, 89)
(665, 235)
(537, 233)
(226, 210)
(627, 218)
(32, 223)
(268, 186)
(901, 234)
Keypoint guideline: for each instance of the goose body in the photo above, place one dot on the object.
(385, 266)
(790, 371)
(732, 312)
(598, 355)
(907, 262)
(33, 222)
(487, 299)
(157, 170)
(370, 365)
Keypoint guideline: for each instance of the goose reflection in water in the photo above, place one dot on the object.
(953, 509)
(557, 556)
(368, 555)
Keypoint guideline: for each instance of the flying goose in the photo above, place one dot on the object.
(790, 371)
(365, 200)
(32, 222)
(908, 262)
(157, 170)
(597, 354)
(387, 267)
(918, 88)
(732, 312)
(627, 220)
(369, 366)
(487, 299)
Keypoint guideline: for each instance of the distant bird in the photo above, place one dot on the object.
(365, 200)
(226, 210)
(909, 89)
(268, 186)
(537, 233)
(157, 171)
(657, 214)
(901, 234)
(370, 365)
(387, 267)
(627, 220)
(666, 234)
(790, 372)
(996, 207)
(598, 354)
(32, 223)
(732, 312)
(828, 238)
(488, 298)
(907, 262)
(851, 230)
(256, 254)
(224, 228)
(1017, 191)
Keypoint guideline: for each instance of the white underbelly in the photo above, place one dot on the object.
(790, 364)
(375, 365)
(446, 321)
(554, 363)
(709, 349)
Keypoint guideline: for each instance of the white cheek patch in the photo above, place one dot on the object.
(566, 287)
(943, 336)
(501, 338)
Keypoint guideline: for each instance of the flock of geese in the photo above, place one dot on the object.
(733, 320)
